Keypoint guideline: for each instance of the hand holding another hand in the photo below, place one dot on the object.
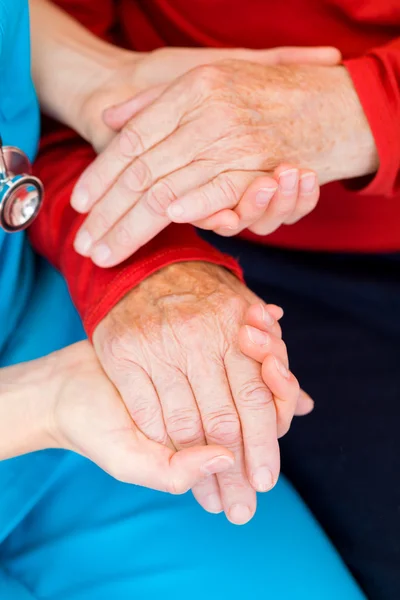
(196, 149)
(171, 348)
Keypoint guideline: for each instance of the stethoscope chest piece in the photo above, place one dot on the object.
(21, 194)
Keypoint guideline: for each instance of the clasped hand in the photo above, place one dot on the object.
(172, 345)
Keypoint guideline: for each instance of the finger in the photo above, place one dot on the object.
(283, 203)
(145, 130)
(185, 429)
(118, 115)
(257, 344)
(222, 192)
(224, 219)
(285, 389)
(308, 196)
(221, 422)
(141, 399)
(147, 463)
(139, 224)
(324, 55)
(256, 408)
(134, 210)
(275, 311)
(265, 318)
(303, 404)
(254, 202)
(255, 316)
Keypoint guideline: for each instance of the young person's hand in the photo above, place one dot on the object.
(66, 401)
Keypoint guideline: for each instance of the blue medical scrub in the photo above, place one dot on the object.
(68, 531)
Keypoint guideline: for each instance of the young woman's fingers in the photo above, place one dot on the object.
(118, 115)
(265, 317)
(257, 344)
(225, 219)
(307, 198)
(283, 202)
(285, 388)
(256, 199)
(275, 310)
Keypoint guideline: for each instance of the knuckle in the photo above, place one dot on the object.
(159, 197)
(207, 77)
(228, 191)
(223, 428)
(255, 395)
(236, 305)
(130, 142)
(116, 351)
(184, 427)
(145, 414)
(123, 236)
(100, 221)
(205, 201)
(137, 176)
(176, 486)
(114, 348)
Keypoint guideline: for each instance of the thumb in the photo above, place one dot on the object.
(286, 55)
(118, 115)
(141, 461)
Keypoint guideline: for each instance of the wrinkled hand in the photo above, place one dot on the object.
(206, 138)
(171, 348)
(89, 417)
(150, 72)
(263, 204)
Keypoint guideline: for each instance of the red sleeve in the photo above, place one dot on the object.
(376, 77)
(95, 291)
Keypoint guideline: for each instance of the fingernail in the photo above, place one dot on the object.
(288, 180)
(308, 183)
(175, 210)
(101, 254)
(80, 199)
(239, 514)
(266, 316)
(217, 465)
(263, 479)
(214, 504)
(264, 196)
(282, 369)
(260, 338)
(83, 242)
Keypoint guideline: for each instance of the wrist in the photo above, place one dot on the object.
(68, 62)
(351, 146)
(26, 398)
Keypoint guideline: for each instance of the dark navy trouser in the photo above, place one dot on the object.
(342, 328)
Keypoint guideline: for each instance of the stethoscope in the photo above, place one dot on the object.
(21, 194)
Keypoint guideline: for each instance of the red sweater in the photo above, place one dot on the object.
(362, 217)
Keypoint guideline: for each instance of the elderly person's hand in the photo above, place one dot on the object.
(148, 74)
(171, 348)
(206, 138)
(48, 403)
